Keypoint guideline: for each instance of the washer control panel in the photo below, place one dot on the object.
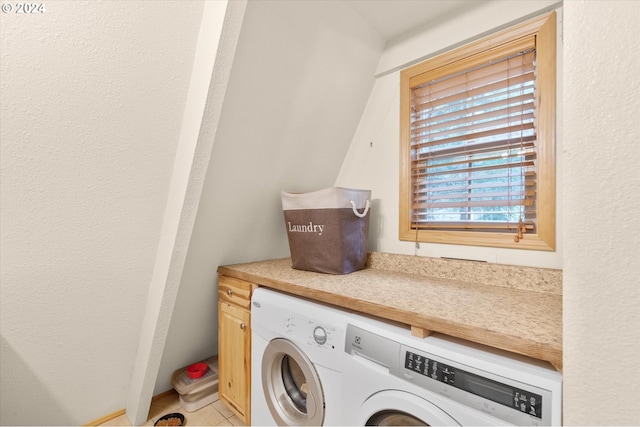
(311, 332)
(320, 335)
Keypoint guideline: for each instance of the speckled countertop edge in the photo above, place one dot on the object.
(519, 309)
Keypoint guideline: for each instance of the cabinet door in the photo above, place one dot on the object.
(234, 359)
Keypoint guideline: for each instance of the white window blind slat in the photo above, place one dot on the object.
(482, 114)
(473, 134)
(515, 69)
(436, 104)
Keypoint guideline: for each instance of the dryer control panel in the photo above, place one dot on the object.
(508, 395)
(517, 398)
(490, 392)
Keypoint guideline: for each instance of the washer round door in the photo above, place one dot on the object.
(291, 385)
(399, 408)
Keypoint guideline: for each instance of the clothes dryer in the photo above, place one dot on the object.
(394, 378)
(297, 357)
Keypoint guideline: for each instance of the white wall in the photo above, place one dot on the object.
(601, 205)
(374, 157)
(301, 76)
(93, 95)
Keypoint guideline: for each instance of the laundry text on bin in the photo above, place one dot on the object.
(306, 228)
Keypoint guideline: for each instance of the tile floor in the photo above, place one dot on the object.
(214, 414)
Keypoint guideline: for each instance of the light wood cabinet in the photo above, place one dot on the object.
(234, 345)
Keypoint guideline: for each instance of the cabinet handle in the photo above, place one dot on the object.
(242, 326)
(229, 292)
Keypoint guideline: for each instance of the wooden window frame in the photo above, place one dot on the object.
(543, 29)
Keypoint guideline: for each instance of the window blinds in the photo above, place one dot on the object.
(473, 147)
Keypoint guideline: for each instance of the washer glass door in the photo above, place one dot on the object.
(394, 418)
(399, 408)
(291, 385)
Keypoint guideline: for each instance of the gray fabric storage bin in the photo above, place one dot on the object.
(328, 229)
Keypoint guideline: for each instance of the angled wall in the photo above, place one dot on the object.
(301, 75)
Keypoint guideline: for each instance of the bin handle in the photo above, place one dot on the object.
(355, 211)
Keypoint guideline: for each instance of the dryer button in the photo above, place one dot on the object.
(320, 335)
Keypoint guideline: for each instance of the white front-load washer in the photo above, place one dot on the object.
(393, 378)
(297, 356)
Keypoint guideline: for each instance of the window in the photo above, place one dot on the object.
(477, 142)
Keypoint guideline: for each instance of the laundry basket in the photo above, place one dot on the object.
(328, 229)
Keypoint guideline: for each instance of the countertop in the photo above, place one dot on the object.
(518, 309)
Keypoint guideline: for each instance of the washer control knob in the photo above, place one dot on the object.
(320, 335)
